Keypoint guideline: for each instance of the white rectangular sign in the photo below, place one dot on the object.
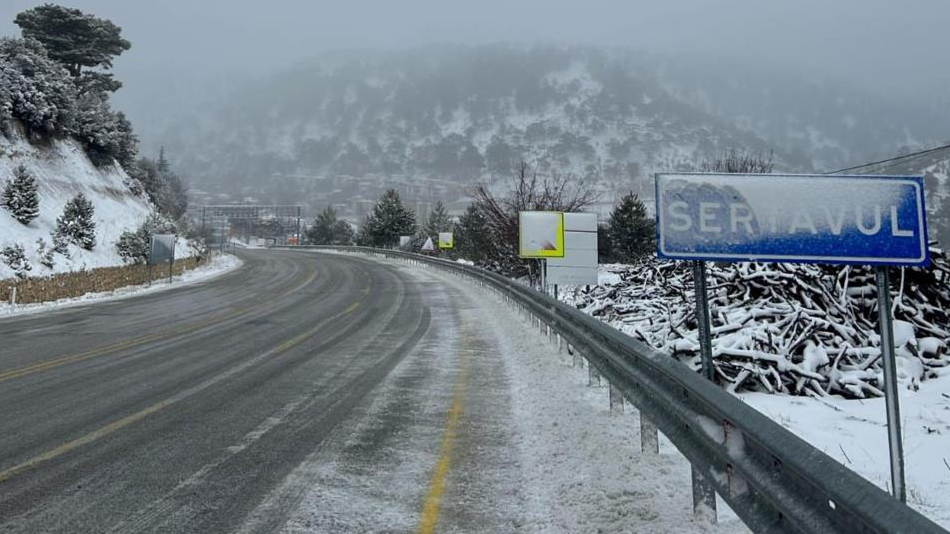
(578, 267)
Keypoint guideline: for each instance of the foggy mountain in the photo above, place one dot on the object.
(459, 114)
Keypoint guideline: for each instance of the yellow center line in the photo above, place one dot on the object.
(186, 329)
(433, 501)
(88, 438)
(138, 416)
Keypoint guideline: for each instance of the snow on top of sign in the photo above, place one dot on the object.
(791, 218)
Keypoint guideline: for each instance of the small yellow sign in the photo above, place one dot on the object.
(446, 240)
(541, 234)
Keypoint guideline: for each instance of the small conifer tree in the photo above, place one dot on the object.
(20, 196)
(630, 230)
(76, 224)
(15, 257)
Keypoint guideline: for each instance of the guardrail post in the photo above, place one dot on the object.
(560, 341)
(593, 375)
(649, 436)
(616, 398)
(578, 360)
(704, 497)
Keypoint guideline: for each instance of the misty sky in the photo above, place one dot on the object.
(859, 39)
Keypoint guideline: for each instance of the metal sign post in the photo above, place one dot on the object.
(891, 399)
(544, 275)
(799, 219)
(702, 318)
(704, 494)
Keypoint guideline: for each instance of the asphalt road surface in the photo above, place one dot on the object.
(302, 392)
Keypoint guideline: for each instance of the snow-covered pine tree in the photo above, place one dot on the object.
(389, 220)
(15, 257)
(630, 230)
(20, 196)
(438, 221)
(132, 248)
(60, 243)
(75, 39)
(471, 240)
(76, 224)
(321, 233)
(45, 252)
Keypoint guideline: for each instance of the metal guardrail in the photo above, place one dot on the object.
(774, 480)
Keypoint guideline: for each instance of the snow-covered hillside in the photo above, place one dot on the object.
(461, 113)
(63, 170)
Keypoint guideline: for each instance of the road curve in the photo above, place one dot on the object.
(187, 410)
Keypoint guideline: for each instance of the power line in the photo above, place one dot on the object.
(898, 159)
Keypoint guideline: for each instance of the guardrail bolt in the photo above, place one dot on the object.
(776, 465)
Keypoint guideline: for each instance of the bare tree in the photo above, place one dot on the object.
(529, 192)
(742, 162)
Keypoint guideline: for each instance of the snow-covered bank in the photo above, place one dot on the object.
(854, 432)
(218, 265)
(62, 170)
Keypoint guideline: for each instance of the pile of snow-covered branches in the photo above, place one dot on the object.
(801, 329)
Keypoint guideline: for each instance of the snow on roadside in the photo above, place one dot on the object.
(854, 433)
(583, 464)
(63, 170)
(218, 265)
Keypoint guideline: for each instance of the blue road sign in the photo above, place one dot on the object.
(877, 220)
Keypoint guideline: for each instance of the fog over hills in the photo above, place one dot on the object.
(257, 99)
(470, 113)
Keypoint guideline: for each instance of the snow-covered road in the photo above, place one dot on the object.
(500, 432)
